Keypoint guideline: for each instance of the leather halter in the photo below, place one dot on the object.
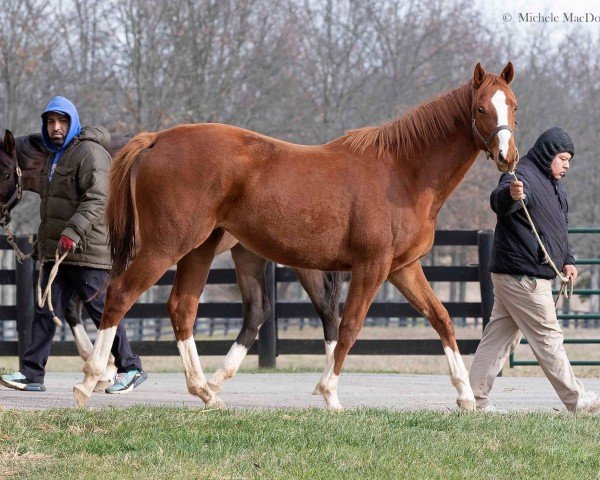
(490, 139)
(14, 200)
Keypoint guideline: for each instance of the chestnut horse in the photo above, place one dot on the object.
(27, 155)
(366, 202)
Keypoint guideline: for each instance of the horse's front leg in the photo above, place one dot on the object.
(365, 282)
(414, 286)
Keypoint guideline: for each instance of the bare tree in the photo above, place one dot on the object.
(305, 70)
(25, 45)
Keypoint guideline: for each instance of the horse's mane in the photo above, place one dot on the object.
(29, 147)
(421, 127)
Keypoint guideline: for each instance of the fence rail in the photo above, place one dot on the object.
(269, 345)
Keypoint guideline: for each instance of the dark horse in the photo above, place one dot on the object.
(21, 161)
(366, 202)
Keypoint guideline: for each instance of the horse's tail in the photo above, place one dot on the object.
(120, 208)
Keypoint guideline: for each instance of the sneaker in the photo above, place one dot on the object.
(18, 381)
(126, 382)
(489, 408)
(589, 402)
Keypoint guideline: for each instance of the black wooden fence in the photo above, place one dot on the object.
(269, 345)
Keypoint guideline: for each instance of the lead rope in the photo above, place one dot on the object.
(566, 287)
(46, 296)
(10, 239)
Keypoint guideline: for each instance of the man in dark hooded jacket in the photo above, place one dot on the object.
(522, 276)
(73, 190)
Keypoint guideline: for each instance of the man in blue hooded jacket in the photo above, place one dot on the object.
(73, 190)
(521, 275)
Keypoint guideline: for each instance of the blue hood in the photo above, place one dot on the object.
(65, 107)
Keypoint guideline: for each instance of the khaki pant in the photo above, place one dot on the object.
(526, 306)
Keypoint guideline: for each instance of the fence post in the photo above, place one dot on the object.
(267, 336)
(24, 282)
(485, 239)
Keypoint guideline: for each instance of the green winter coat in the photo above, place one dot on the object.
(74, 201)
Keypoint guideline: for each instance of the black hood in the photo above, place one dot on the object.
(548, 145)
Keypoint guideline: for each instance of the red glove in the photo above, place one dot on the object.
(65, 244)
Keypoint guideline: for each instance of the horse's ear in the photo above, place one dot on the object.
(9, 142)
(508, 73)
(478, 75)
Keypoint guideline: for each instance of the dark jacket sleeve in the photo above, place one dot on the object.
(500, 199)
(571, 255)
(92, 183)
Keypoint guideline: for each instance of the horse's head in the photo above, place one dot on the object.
(493, 116)
(10, 187)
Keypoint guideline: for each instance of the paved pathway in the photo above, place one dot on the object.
(293, 390)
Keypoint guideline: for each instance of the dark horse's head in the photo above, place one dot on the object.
(10, 177)
(493, 116)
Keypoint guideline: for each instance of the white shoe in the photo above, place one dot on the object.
(489, 408)
(589, 402)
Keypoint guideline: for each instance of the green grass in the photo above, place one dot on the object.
(177, 443)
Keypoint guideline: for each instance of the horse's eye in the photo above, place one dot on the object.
(516, 107)
(480, 109)
(7, 176)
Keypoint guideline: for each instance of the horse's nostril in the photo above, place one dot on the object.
(502, 157)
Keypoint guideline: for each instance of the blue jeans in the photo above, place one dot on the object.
(87, 282)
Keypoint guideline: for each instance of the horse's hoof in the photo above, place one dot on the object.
(466, 404)
(332, 402)
(102, 385)
(216, 403)
(81, 396)
(335, 408)
(214, 387)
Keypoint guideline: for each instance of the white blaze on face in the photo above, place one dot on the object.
(499, 102)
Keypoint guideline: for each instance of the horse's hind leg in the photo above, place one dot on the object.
(413, 285)
(192, 272)
(145, 269)
(324, 290)
(84, 344)
(250, 271)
